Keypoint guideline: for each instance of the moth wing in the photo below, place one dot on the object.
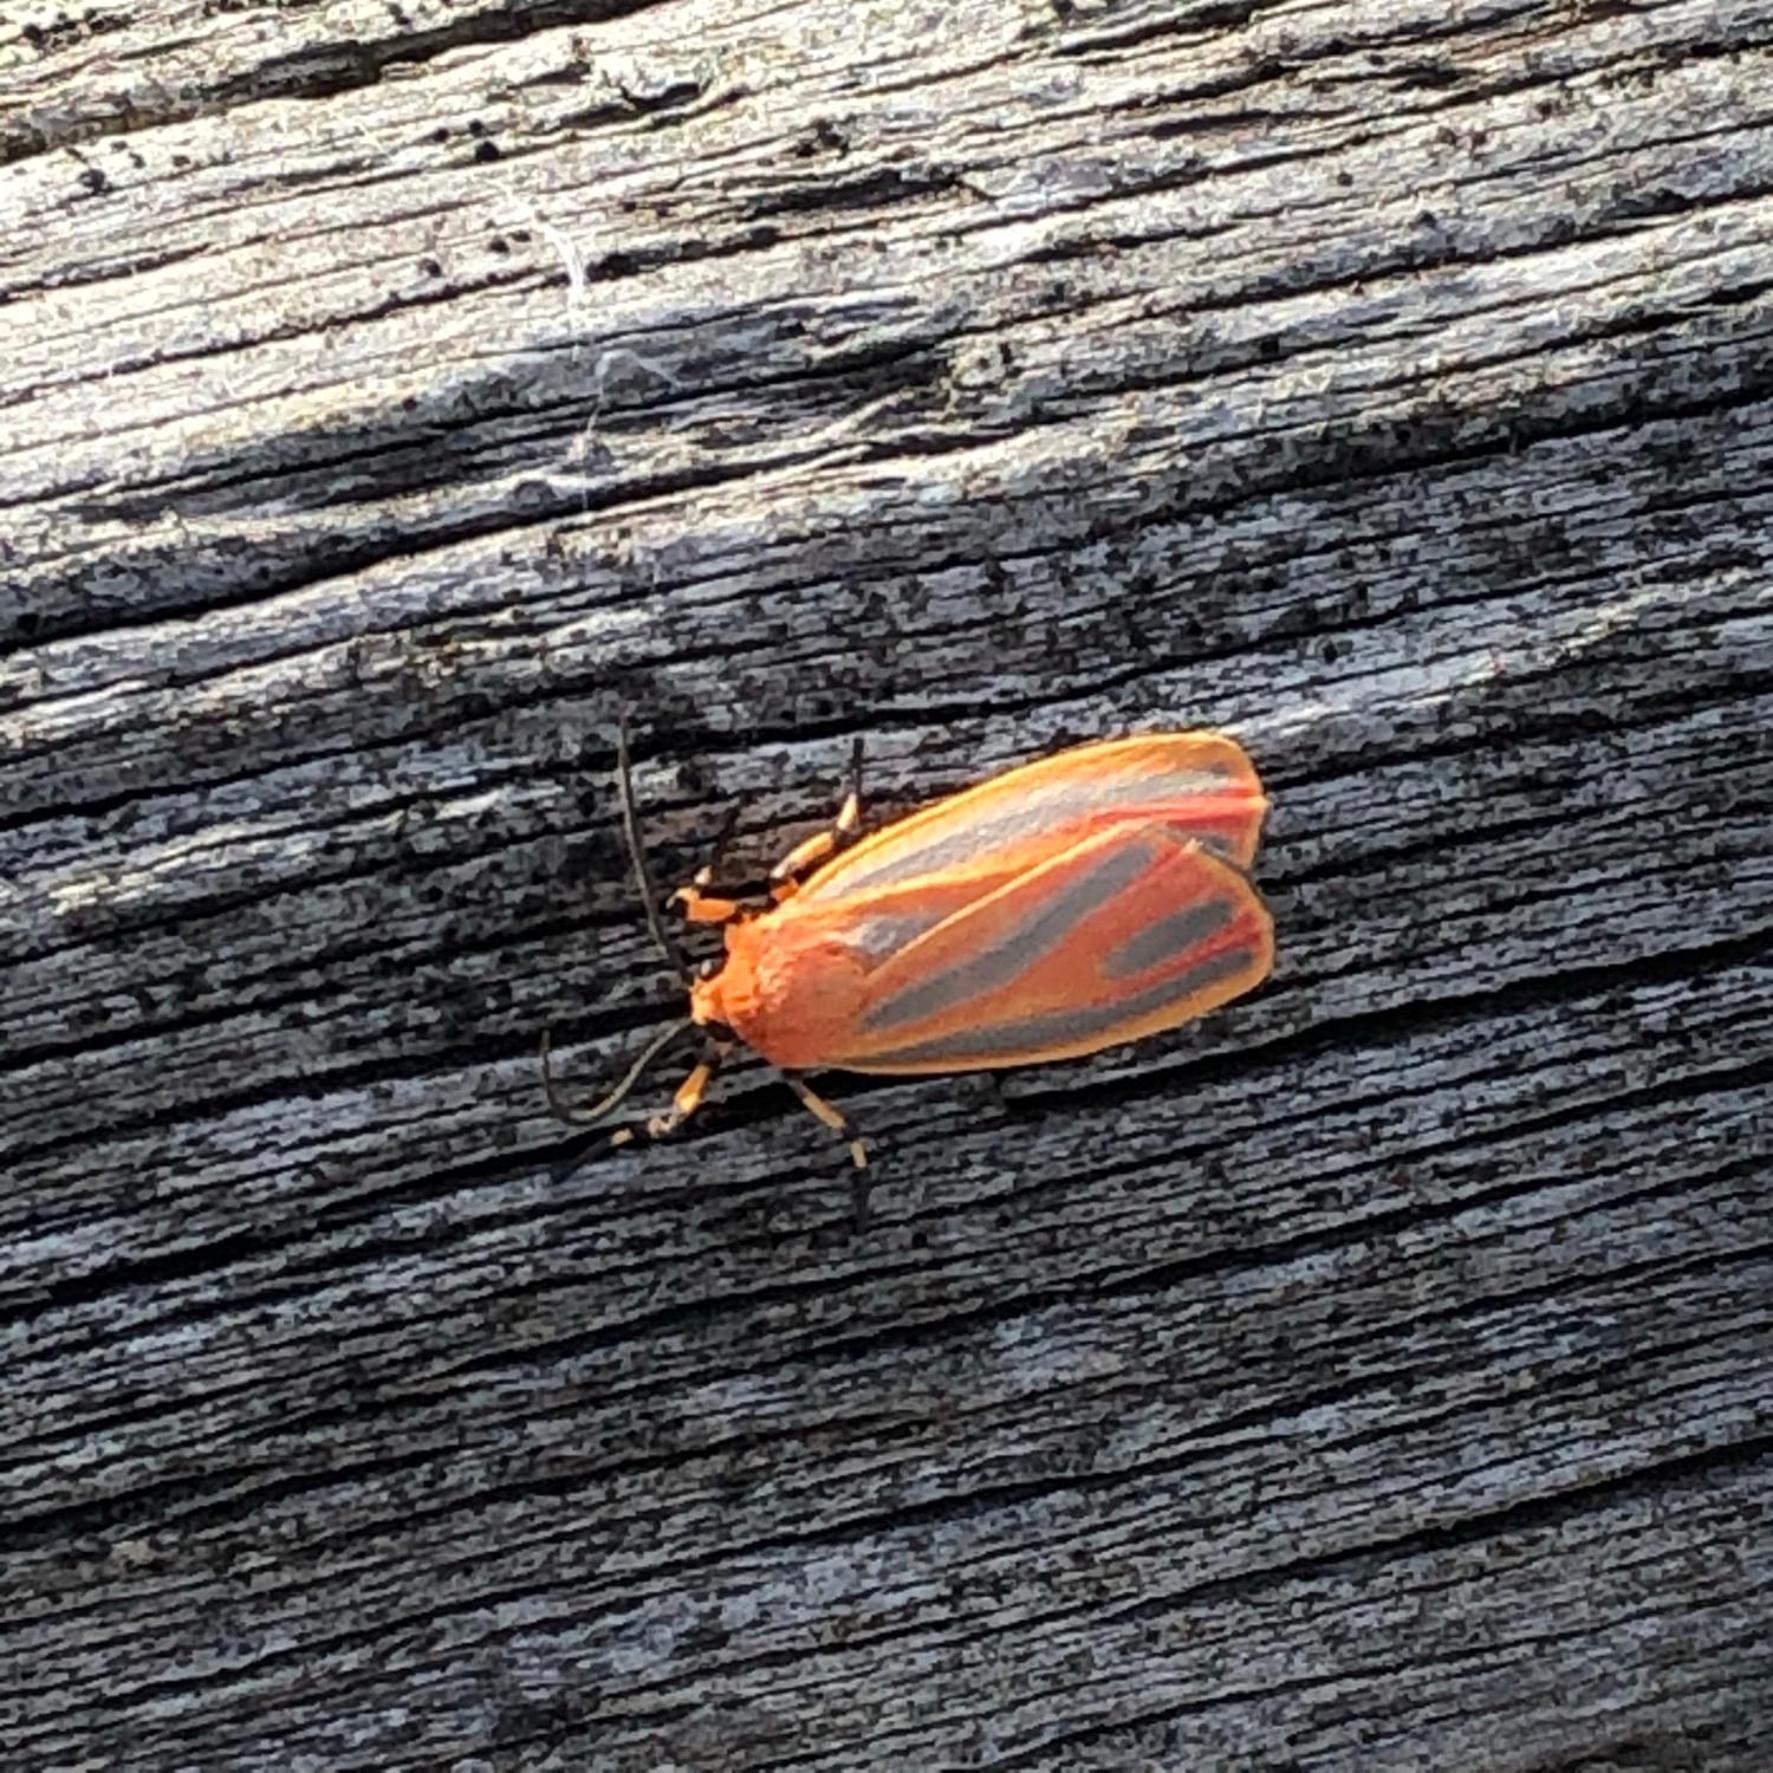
(1198, 784)
(1131, 931)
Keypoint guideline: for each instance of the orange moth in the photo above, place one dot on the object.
(1074, 903)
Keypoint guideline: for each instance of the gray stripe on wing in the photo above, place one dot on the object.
(1037, 809)
(1018, 948)
(1064, 1028)
(880, 936)
(1168, 939)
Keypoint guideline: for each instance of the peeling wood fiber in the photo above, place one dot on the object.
(1376, 1375)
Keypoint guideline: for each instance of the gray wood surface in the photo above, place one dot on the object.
(1378, 1375)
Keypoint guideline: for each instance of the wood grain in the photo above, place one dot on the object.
(1377, 1375)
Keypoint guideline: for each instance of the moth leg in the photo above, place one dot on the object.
(839, 1122)
(701, 902)
(691, 1094)
(699, 905)
(787, 875)
(728, 825)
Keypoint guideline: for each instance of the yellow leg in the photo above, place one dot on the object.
(784, 880)
(803, 856)
(702, 907)
(839, 1122)
(785, 876)
(689, 1097)
(833, 1117)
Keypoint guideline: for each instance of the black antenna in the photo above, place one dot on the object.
(601, 1111)
(643, 874)
(649, 899)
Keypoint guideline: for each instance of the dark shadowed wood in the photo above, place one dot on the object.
(1377, 1375)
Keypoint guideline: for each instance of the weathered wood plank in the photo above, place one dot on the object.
(1376, 1375)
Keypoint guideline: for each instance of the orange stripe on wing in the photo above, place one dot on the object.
(1129, 932)
(1200, 784)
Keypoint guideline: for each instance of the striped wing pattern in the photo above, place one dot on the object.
(1199, 784)
(1135, 928)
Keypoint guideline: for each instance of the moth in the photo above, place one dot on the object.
(1074, 903)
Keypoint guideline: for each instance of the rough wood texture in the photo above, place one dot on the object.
(1376, 1376)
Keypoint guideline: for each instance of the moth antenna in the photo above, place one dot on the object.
(602, 1110)
(643, 874)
